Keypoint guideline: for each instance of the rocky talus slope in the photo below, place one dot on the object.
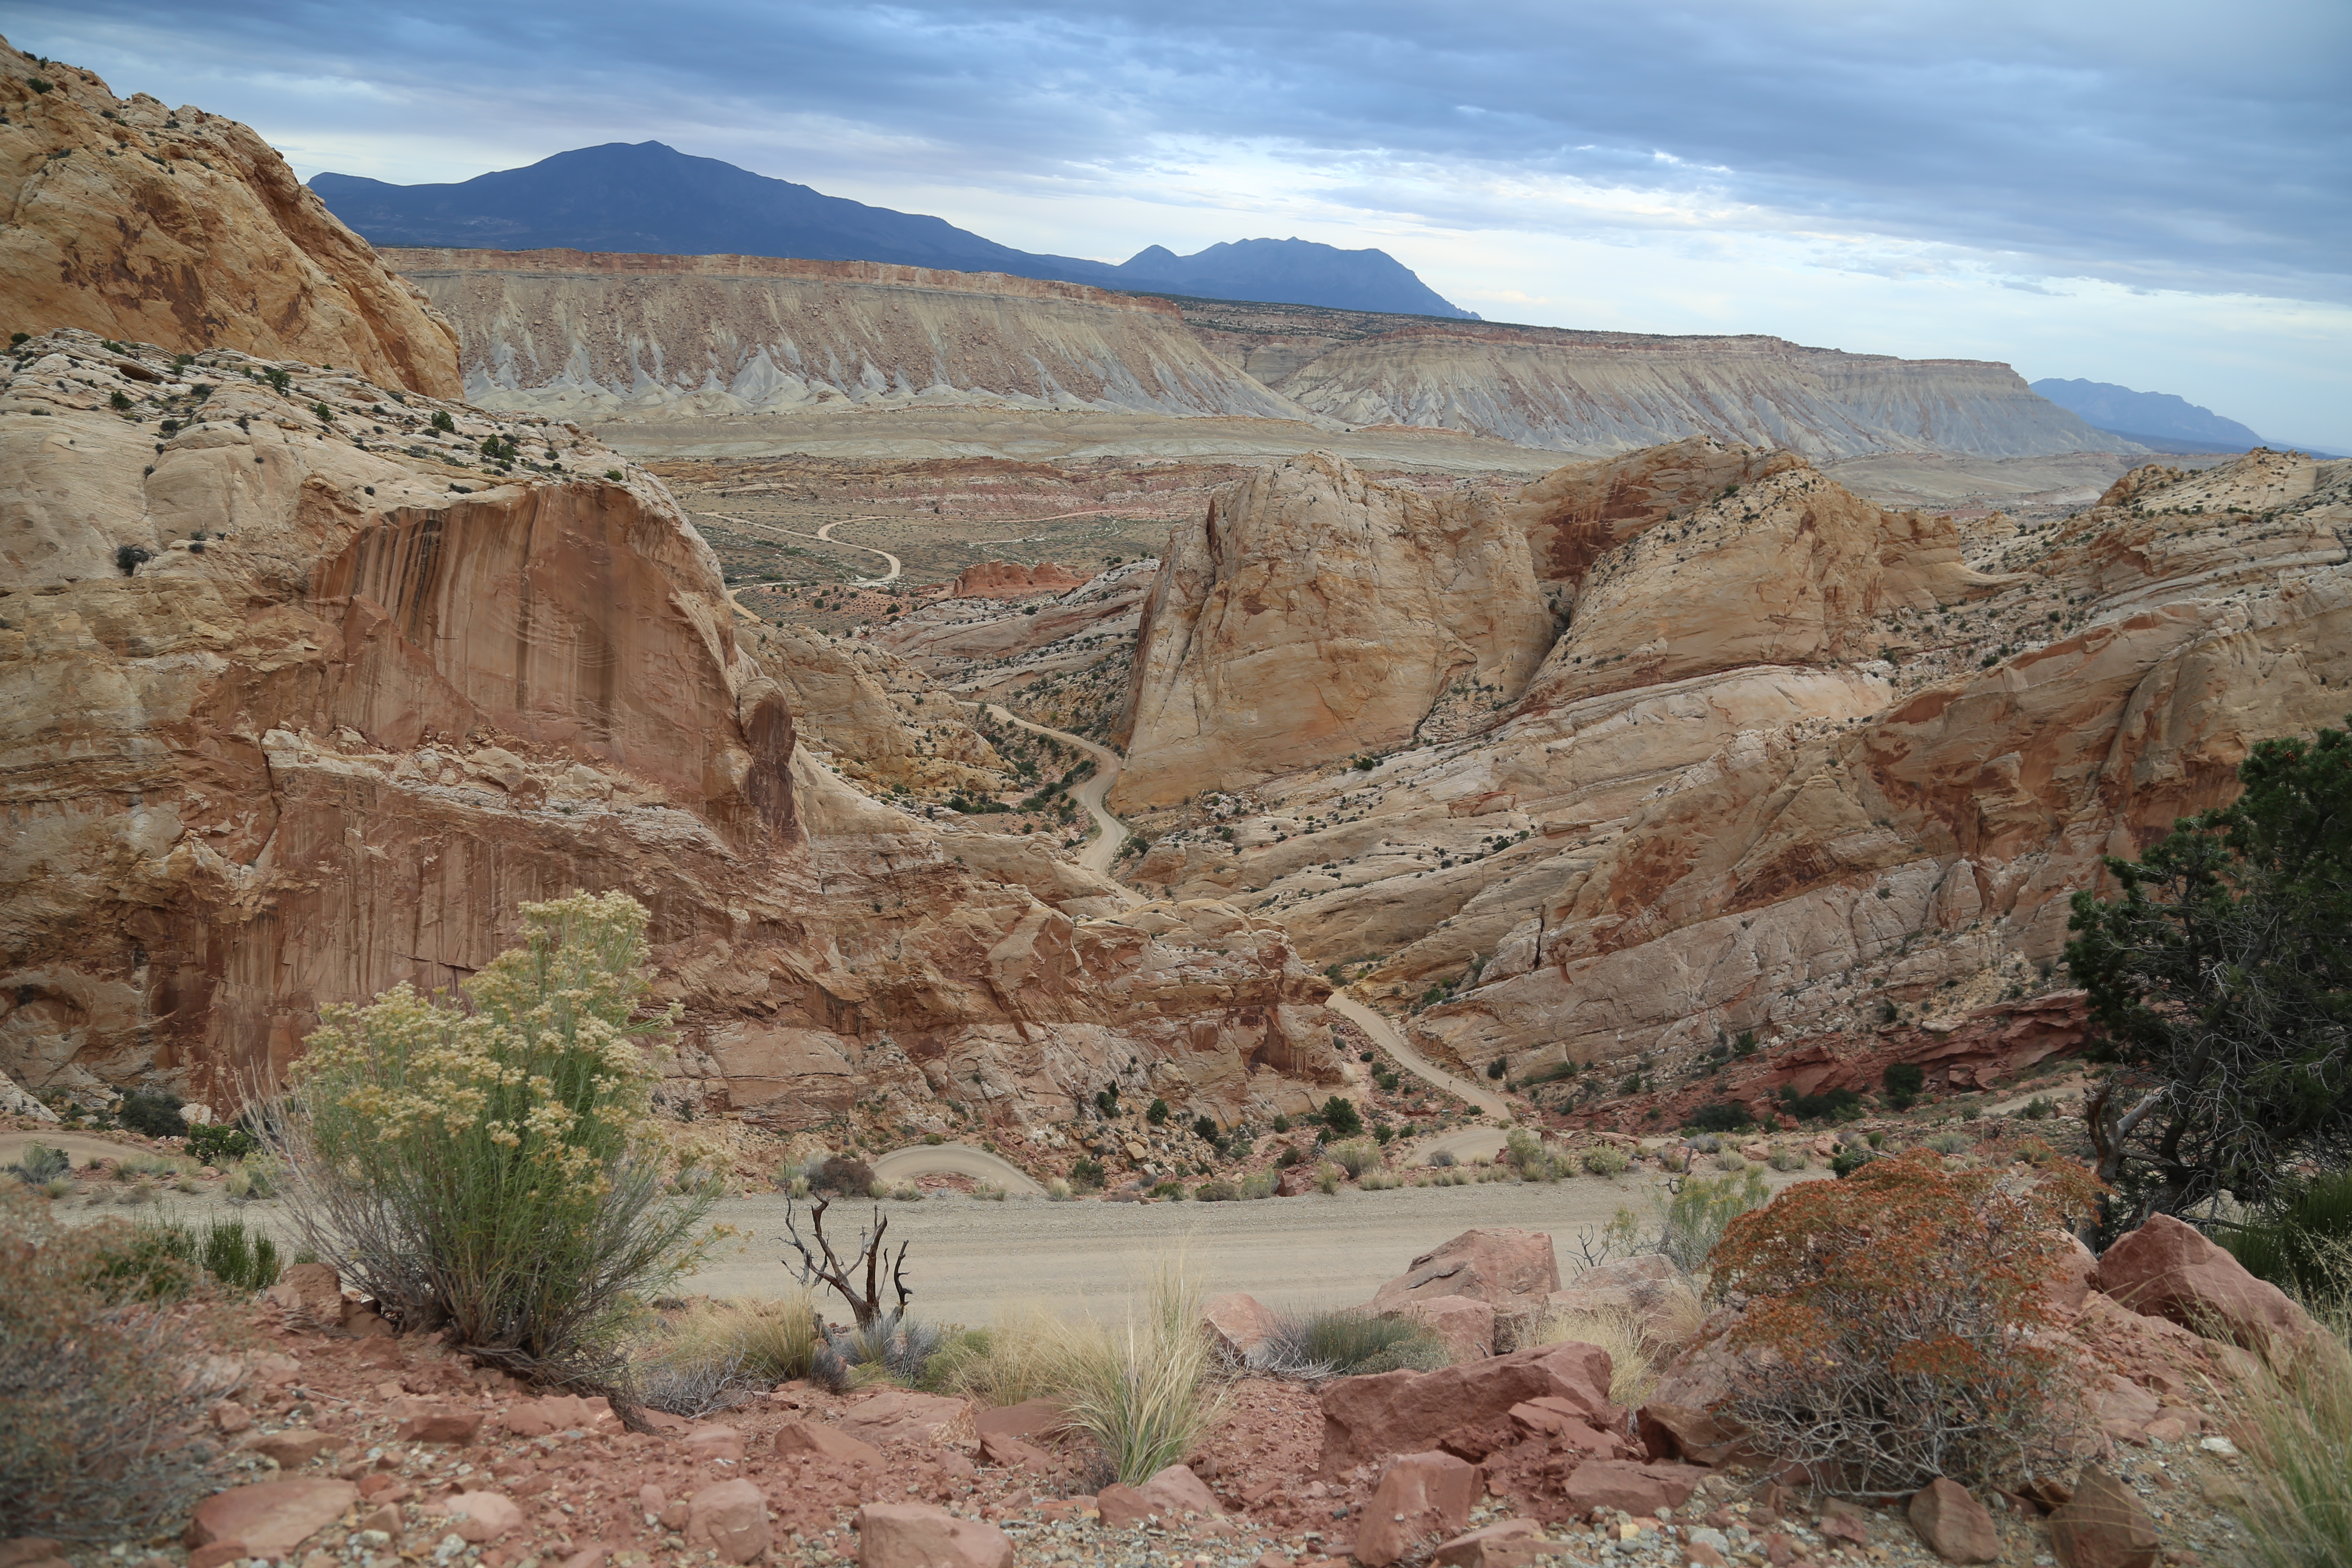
(670, 339)
(302, 698)
(1794, 764)
(181, 229)
(596, 336)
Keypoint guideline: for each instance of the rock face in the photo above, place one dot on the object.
(1510, 1270)
(1792, 758)
(586, 335)
(184, 229)
(2168, 1269)
(332, 744)
(1312, 614)
(1012, 580)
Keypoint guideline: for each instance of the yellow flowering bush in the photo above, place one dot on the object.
(490, 1162)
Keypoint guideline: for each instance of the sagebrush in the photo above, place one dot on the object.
(490, 1163)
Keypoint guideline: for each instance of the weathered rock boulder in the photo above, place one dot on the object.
(1952, 1524)
(1405, 1412)
(2104, 1525)
(2168, 1269)
(1510, 1271)
(1421, 1498)
(916, 1535)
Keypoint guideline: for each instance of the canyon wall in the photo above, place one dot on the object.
(1795, 762)
(185, 230)
(599, 336)
(306, 702)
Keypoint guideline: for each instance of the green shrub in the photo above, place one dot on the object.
(1260, 1184)
(1719, 1116)
(152, 1112)
(1605, 1159)
(1347, 1342)
(1340, 1117)
(41, 1166)
(1951, 1143)
(2303, 1240)
(1141, 1391)
(1168, 1190)
(1841, 1104)
(443, 423)
(1695, 1213)
(1158, 1114)
(493, 1167)
(218, 1142)
(1216, 1192)
(717, 1354)
(1789, 1159)
(1282, 1123)
(1087, 1174)
(1205, 1129)
(1904, 1082)
(1356, 1156)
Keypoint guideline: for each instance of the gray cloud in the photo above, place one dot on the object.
(2153, 145)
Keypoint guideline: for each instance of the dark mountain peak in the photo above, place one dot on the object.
(2145, 415)
(649, 198)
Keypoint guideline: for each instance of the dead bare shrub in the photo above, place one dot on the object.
(1898, 1325)
(100, 1406)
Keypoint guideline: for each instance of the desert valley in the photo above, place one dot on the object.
(1376, 921)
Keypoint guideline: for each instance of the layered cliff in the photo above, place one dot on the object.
(596, 336)
(187, 230)
(1794, 760)
(673, 338)
(300, 698)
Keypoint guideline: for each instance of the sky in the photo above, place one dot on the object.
(2156, 193)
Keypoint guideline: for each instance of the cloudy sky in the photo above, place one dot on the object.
(2154, 192)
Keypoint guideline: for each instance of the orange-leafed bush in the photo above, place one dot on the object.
(1897, 1328)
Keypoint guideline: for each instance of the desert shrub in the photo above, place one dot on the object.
(720, 1353)
(1205, 1129)
(1287, 1158)
(1904, 1082)
(1693, 1213)
(102, 1433)
(1356, 1156)
(1216, 1192)
(1605, 1159)
(1281, 1124)
(1158, 1114)
(2302, 1240)
(1903, 1327)
(1789, 1159)
(1951, 1143)
(494, 1167)
(844, 1174)
(1442, 1158)
(1057, 1191)
(1340, 1116)
(907, 1193)
(1141, 1390)
(1619, 1331)
(218, 1142)
(1347, 1342)
(1731, 1160)
(1260, 1184)
(152, 1113)
(1019, 1356)
(1719, 1116)
(2296, 1434)
(1843, 1104)
(1850, 1159)
(893, 1348)
(2041, 1108)
(988, 1192)
(1087, 1174)
(1327, 1179)
(223, 1249)
(1168, 1190)
(2218, 981)
(41, 1166)
(250, 1180)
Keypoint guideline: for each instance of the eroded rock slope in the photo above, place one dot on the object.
(181, 229)
(372, 686)
(1795, 763)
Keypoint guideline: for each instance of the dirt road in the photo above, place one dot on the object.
(1098, 856)
(971, 1257)
(955, 1160)
(1391, 1039)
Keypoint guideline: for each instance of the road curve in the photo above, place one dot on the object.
(1477, 1143)
(954, 1160)
(825, 534)
(1103, 853)
(1389, 1038)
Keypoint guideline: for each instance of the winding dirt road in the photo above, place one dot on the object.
(1391, 1039)
(955, 1160)
(1099, 856)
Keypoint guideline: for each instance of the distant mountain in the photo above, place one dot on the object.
(2151, 418)
(653, 199)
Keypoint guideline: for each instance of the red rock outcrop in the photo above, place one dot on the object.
(1012, 580)
(357, 705)
(184, 229)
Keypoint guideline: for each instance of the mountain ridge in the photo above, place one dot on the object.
(2161, 414)
(649, 198)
